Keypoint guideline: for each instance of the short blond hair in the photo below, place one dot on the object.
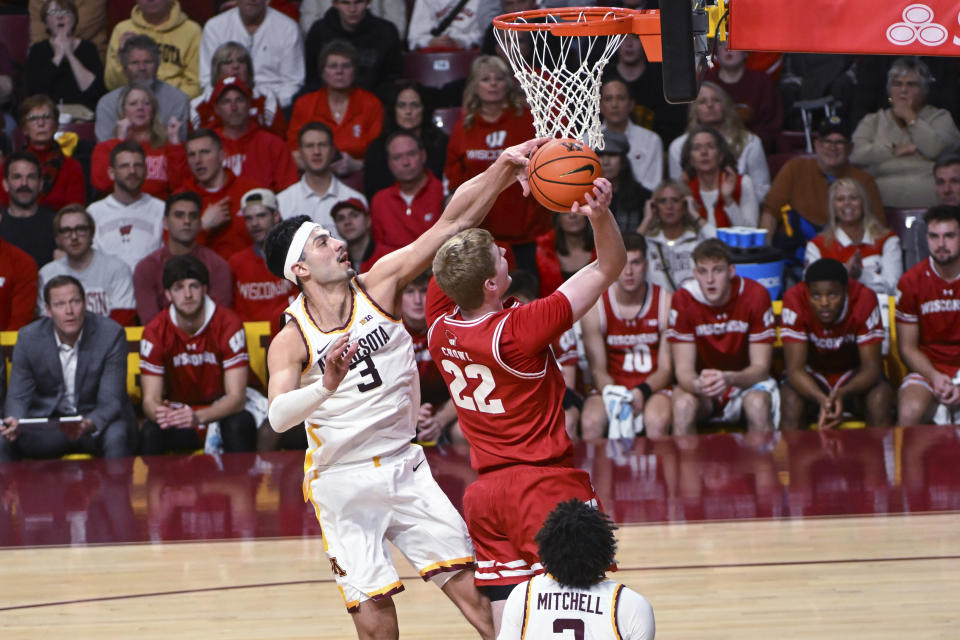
(463, 264)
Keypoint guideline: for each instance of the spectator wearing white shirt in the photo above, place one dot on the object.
(646, 148)
(273, 40)
(318, 190)
(106, 279)
(129, 223)
(462, 31)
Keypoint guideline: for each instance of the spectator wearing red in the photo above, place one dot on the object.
(193, 363)
(352, 222)
(494, 118)
(18, 287)
(138, 122)
(249, 151)
(233, 59)
(258, 294)
(181, 221)
(402, 212)
(564, 250)
(753, 92)
(221, 191)
(106, 279)
(353, 114)
(61, 177)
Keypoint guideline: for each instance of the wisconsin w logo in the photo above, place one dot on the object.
(496, 139)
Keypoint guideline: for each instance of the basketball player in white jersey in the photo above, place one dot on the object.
(576, 546)
(344, 366)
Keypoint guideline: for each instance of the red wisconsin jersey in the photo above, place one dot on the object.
(432, 387)
(632, 343)
(924, 298)
(832, 349)
(257, 293)
(504, 379)
(193, 366)
(722, 334)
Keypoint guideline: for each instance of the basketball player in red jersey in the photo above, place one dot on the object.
(832, 333)
(722, 326)
(626, 346)
(928, 325)
(509, 390)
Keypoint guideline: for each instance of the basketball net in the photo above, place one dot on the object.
(562, 77)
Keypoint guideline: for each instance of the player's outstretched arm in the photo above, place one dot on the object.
(587, 284)
(466, 209)
(289, 403)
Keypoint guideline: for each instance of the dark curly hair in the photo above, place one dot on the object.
(576, 544)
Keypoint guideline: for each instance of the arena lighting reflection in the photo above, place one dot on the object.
(710, 477)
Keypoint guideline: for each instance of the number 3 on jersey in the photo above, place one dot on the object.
(479, 401)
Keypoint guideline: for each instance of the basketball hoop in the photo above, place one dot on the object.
(571, 47)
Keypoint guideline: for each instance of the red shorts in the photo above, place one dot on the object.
(505, 509)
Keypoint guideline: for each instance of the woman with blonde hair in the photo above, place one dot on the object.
(673, 228)
(714, 108)
(495, 117)
(137, 121)
(855, 237)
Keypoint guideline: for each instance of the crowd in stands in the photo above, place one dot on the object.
(200, 138)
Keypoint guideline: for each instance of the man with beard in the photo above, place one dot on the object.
(352, 223)
(25, 223)
(722, 333)
(106, 279)
(129, 222)
(832, 335)
(193, 363)
(946, 179)
(928, 325)
(626, 343)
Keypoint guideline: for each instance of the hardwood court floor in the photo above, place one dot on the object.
(860, 577)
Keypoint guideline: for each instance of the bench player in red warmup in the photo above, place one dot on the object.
(508, 388)
(721, 333)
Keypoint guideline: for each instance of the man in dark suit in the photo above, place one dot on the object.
(72, 363)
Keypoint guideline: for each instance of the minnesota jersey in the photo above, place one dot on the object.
(832, 349)
(927, 300)
(542, 608)
(632, 343)
(722, 334)
(504, 379)
(372, 413)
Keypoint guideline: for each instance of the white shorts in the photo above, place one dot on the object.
(943, 415)
(732, 408)
(363, 505)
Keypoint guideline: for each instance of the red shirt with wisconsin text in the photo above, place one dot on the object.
(832, 349)
(257, 293)
(193, 366)
(504, 379)
(632, 344)
(722, 334)
(927, 300)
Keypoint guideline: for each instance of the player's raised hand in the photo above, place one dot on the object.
(598, 199)
(519, 156)
(338, 362)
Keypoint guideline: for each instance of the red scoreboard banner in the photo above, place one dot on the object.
(893, 27)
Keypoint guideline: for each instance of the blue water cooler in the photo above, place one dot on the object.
(763, 264)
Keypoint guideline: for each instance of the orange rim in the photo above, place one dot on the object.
(583, 21)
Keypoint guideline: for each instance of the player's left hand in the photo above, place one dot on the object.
(638, 401)
(598, 199)
(713, 383)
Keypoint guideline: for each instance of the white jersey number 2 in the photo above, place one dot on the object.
(479, 401)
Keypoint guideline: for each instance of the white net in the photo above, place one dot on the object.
(561, 76)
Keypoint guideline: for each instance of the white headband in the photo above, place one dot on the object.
(296, 248)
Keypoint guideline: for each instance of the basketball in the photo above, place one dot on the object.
(561, 171)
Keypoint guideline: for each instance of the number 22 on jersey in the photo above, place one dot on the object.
(480, 400)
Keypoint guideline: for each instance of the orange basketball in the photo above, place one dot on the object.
(561, 171)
